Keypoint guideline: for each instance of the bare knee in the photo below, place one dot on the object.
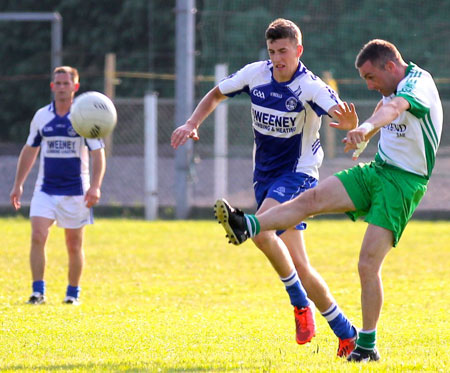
(38, 238)
(74, 240)
(368, 267)
(74, 245)
(74, 250)
(265, 240)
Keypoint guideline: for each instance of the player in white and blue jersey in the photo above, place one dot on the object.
(64, 192)
(287, 102)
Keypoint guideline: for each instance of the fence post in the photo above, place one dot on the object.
(184, 95)
(221, 140)
(151, 155)
(110, 91)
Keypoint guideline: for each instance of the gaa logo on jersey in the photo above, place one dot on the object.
(47, 129)
(291, 103)
(258, 93)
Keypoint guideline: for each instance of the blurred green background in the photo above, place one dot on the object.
(142, 35)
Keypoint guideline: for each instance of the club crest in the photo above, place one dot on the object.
(291, 103)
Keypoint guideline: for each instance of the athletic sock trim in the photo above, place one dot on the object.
(338, 322)
(331, 313)
(250, 226)
(253, 225)
(291, 279)
(368, 331)
(295, 290)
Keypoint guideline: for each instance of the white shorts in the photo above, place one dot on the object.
(68, 211)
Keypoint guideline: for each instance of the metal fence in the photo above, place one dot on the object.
(125, 177)
(128, 153)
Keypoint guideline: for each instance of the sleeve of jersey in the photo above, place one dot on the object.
(237, 83)
(34, 138)
(416, 98)
(94, 144)
(324, 97)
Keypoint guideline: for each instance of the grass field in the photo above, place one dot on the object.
(173, 296)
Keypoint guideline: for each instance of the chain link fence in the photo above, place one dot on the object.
(124, 182)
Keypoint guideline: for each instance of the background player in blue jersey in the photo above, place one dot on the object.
(287, 101)
(64, 191)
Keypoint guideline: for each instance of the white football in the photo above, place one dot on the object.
(93, 115)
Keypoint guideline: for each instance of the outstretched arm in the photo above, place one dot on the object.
(205, 107)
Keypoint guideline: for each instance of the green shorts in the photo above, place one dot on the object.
(386, 195)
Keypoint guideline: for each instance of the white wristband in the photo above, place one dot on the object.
(359, 149)
(367, 126)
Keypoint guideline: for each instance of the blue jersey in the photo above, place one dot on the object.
(64, 159)
(286, 118)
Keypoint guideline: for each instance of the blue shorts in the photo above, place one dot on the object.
(284, 188)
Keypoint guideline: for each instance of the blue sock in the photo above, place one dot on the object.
(297, 293)
(73, 291)
(340, 325)
(39, 287)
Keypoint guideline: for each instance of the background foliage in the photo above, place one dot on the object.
(142, 32)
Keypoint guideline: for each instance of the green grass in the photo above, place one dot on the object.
(173, 296)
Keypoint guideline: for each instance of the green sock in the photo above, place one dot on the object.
(367, 340)
(253, 226)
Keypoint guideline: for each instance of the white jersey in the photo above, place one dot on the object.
(286, 117)
(64, 159)
(411, 141)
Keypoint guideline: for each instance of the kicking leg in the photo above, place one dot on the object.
(329, 196)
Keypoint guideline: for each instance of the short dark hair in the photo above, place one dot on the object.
(69, 70)
(379, 52)
(283, 28)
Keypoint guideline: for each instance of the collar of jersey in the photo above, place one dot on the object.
(301, 69)
(411, 65)
(53, 110)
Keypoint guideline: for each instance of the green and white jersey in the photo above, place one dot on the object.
(411, 141)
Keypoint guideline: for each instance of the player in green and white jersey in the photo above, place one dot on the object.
(385, 191)
(411, 140)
